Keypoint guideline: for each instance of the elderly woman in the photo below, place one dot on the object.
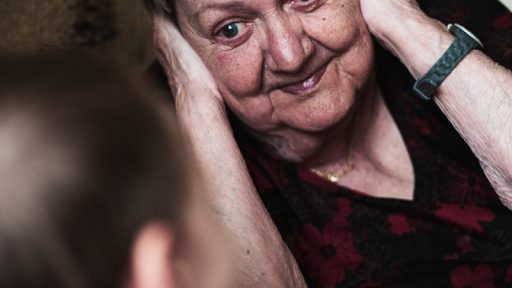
(367, 184)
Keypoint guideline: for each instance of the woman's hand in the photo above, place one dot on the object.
(404, 29)
(189, 78)
(386, 19)
(262, 258)
(384, 15)
(476, 95)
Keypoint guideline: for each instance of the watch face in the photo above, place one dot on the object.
(453, 27)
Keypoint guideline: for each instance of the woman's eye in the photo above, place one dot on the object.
(231, 30)
(233, 34)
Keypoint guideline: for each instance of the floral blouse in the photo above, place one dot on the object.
(455, 233)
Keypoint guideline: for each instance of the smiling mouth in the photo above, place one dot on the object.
(304, 86)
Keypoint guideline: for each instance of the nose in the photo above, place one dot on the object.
(288, 46)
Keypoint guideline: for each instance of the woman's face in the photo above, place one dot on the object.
(289, 69)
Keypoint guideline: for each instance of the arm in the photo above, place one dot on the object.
(263, 259)
(476, 97)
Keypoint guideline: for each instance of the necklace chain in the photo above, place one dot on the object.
(334, 177)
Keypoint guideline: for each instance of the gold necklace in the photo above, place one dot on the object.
(334, 177)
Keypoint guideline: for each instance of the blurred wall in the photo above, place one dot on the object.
(119, 25)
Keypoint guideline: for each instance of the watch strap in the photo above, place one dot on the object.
(464, 42)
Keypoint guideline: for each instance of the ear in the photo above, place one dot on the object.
(151, 262)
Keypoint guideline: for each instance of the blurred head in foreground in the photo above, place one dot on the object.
(94, 186)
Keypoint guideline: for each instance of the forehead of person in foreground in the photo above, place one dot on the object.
(93, 177)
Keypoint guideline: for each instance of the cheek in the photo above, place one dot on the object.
(238, 71)
(238, 74)
(340, 27)
(358, 61)
(337, 25)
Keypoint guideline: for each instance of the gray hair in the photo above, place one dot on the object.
(160, 8)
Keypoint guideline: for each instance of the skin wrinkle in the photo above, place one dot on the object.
(499, 176)
(314, 129)
(284, 49)
(506, 135)
(503, 188)
(304, 42)
(493, 174)
(275, 119)
(306, 140)
(470, 101)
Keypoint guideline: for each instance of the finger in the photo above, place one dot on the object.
(183, 66)
(174, 49)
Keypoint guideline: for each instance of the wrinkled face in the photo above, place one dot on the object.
(289, 69)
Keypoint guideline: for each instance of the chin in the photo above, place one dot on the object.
(293, 146)
(304, 144)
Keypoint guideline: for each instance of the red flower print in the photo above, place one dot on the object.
(343, 212)
(327, 255)
(466, 187)
(453, 256)
(423, 126)
(267, 174)
(464, 244)
(414, 145)
(508, 274)
(504, 21)
(480, 277)
(465, 216)
(370, 284)
(399, 225)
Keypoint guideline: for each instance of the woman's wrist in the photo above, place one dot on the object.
(418, 41)
(208, 109)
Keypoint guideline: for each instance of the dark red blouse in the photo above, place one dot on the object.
(455, 233)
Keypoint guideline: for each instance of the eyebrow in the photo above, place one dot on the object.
(226, 6)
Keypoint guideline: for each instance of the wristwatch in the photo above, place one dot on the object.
(464, 42)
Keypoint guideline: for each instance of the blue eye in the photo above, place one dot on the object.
(230, 31)
(233, 34)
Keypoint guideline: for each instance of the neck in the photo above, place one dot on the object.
(369, 138)
(346, 138)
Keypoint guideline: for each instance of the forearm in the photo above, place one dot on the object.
(476, 97)
(263, 259)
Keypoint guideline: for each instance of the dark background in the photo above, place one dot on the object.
(103, 25)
